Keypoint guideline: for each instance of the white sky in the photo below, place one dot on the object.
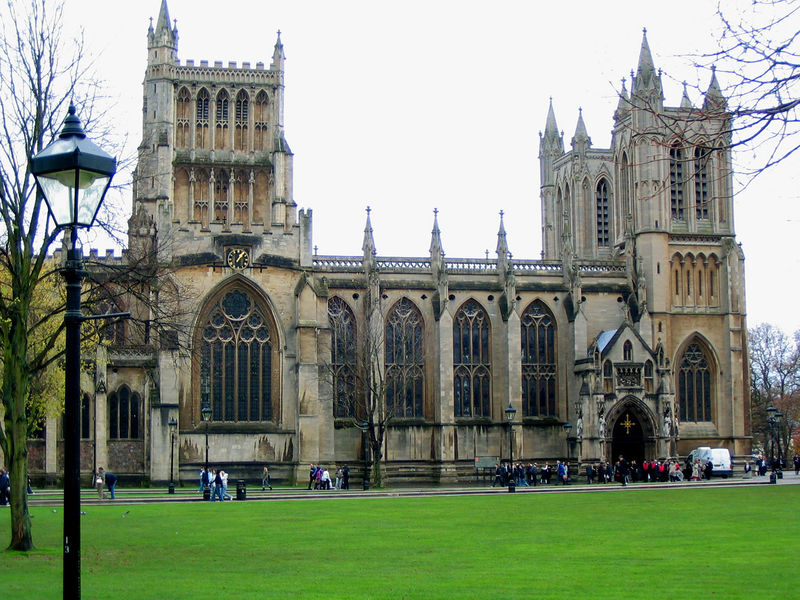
(407, 106)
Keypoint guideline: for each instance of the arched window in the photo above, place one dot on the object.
(624, 186)
(608, 377)
(472, 367)
(702, 157)
(676, 182)
(241, 198)
(627, 351)
(261, 122)
(182, 119)
(405, 377)
(202, 139)
(538, 361)
(201, 190)
(242, 116)
(221, 122)
(86, 417)
(694, 385)
(343, 357)
(601, 205)
(124, 411)
(221, 184)
(238, 362)
(648, 377)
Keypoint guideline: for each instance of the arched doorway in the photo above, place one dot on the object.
(628, 438)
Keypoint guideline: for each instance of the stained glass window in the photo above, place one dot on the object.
(403, 359)
(343, 357)
(538, 362)
(694, 385)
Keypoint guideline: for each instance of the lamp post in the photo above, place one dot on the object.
(173, 425)
(363, 425)
(205, 413)
(511, 412)
(774, 420)
(567, 429)
(73, 175)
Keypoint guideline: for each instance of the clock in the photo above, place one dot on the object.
(238, 258)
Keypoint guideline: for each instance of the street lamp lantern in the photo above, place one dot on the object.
(511, 412)
(173, 426)
(73, 175)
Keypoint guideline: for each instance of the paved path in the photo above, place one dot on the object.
(157, 495)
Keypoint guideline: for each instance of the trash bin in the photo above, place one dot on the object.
(773, 478)
(171, 489)
(241, 490)
(207, 493)
(512, 486)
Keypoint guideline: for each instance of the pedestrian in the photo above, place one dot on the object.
(216, 493)
(346, 477)
(203, 479)
(339, 475)
(265, 481)
(561, 471)
(622, 470)
(498, 476)
(5, 488)
(796, 461)
(589, 474)
(111, 483)
(30, 489)
(99, 481)
(312, 475)
(224, 477)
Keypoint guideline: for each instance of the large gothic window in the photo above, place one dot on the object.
(404, 361)
(538, 362)
(261, 122)
(472, 376)
(702, 158)
(601, 198)
(694, 385)
(221, 122)
(236, 359)
(202, 138)
(676, 182)
(182, 120)
(242, 115)
(124, 410)
(343, 357)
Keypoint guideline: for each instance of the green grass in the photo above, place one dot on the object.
(682, 543)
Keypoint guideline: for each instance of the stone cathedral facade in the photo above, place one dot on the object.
(630, 328)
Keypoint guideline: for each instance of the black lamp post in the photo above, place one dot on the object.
(73, 175)
(774, 420)
(511, 412)
(173, 425)
(364, 426)
(205, 413)
(567, 429)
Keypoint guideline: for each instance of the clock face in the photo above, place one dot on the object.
(238, 258)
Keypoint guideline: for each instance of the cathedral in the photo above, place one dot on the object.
(628, 336)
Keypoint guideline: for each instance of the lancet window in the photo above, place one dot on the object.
(237, 362)
(538, 361)
(202, 137)
(124, 410)
(242, 115)
(676, 182)
(405, 374)
(261, 122)
(472, 376)
(343, 357)
(601, 205)
(694, 385)
(221, 123)
(702, 158)
(183, 119)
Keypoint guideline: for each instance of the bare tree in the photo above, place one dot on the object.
(376, 375)
(775, 381)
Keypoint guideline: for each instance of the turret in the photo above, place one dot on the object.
(714, 100)
(647, 91)
(581, 141)
(162, 43)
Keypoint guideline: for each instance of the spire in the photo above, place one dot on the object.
(624, 104)
(436, 249)
(369, 244)
(686, 102)
(278, 55)
(164, 37)
(502, 246)
(552, 142)
(581, 140)
(646, 77)
(714, 98)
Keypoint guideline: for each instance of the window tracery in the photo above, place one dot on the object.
(221, 123)
(261, 122)
(472, 381)
(538, 361)
(236, 359)
(242, 121)
(694, 385)
(124, 410)
(183, 119)
(343, 357)
(202, 138)
(676, 189)
(404, 360)
(601, 205)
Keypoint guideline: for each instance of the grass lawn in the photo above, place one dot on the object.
(678, 543)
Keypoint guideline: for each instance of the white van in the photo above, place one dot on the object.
(720, 459)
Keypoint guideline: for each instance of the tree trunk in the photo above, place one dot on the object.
(377, 456)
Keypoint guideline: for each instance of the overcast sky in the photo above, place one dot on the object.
(410, 106)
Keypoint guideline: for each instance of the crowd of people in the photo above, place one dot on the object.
(621, 471)
(217, 481)
(319, 478)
